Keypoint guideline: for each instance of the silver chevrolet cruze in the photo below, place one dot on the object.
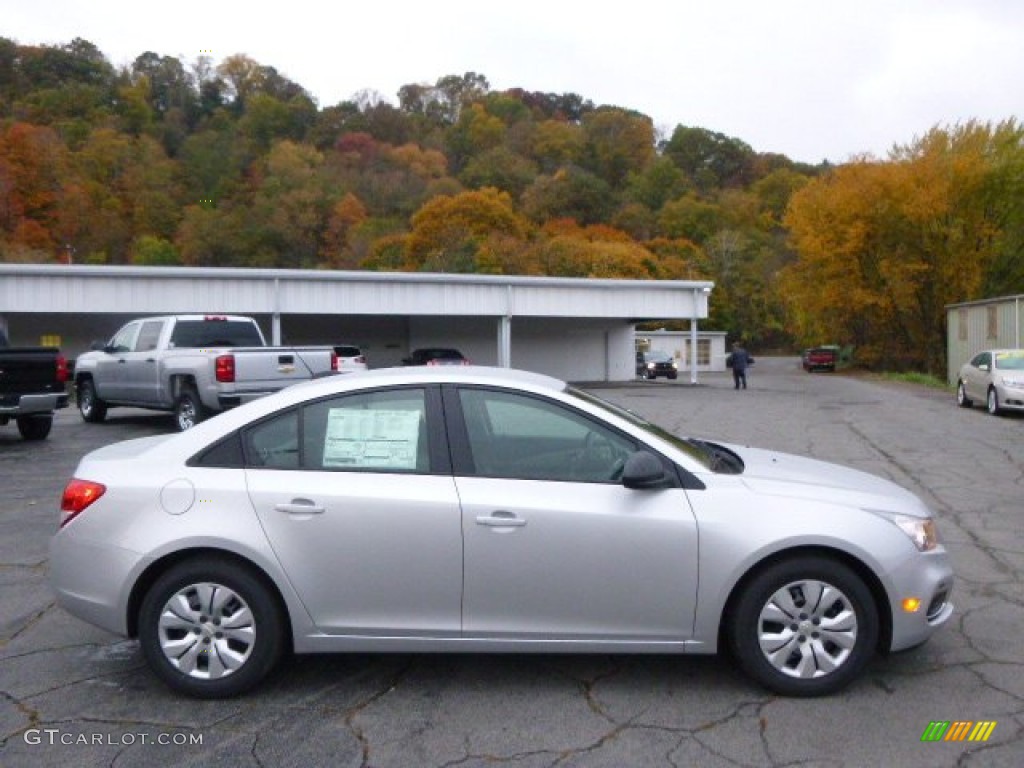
(485, 510)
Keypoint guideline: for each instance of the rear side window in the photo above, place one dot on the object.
(191, 334)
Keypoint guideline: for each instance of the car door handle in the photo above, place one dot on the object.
(500, 520)
(300, 507)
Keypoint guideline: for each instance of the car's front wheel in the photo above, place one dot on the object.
(961, 395)
(993, 402)
(804, 627)
(210, 628)
(90, 406)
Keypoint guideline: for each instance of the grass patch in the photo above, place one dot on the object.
(923, 379)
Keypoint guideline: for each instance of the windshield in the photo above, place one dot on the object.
(657, 356)
(1010, 361)
(695, 449)
(215, 333)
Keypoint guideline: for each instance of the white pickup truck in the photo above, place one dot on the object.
(193, 365)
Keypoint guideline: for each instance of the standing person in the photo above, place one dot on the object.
(739, 361)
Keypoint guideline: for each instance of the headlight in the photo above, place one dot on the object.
(921, 531)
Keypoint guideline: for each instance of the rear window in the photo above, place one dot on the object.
(215, 333)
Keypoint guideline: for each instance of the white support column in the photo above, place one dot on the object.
(275, 320)
(505, 342)
(693, 340)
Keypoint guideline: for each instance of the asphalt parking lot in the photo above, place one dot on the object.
(74, 695)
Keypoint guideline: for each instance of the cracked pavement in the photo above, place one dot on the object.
(72, 694)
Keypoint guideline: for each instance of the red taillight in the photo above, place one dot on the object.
(334, 362)
(62, 369)
(224, 368)
(432, 362)
(78, 494)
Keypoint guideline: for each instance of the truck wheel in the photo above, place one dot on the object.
(188, 411)
(90, 406)
(35, 427)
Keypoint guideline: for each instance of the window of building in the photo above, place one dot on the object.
(993, 321)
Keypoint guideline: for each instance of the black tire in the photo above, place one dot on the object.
(35, 427)
(782, 608)
(90, 406)
(188, 410)
(673, 375)
(203, 616)
(992, 403)
(961, 395)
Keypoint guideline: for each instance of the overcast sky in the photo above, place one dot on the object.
(811, 79)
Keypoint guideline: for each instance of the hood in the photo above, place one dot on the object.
(782, 474)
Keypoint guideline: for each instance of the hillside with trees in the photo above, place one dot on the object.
(166, 162)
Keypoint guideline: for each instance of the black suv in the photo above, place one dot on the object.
(651, 365)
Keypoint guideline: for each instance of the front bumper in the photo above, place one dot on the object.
(1010, 398)
(929, 578)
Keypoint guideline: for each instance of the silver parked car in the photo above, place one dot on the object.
(994, 377)
(473, 509)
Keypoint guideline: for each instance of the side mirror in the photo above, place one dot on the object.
(644, 470)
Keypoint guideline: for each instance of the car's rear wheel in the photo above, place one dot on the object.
(961, 395)
(210, 628)
(90, 406)
(35, 427)
(993, 402)
(804, 627)
(188, 410)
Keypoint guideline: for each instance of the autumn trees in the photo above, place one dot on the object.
(885, 246)
(233, 164)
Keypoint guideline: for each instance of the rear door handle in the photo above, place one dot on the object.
(500, 520)
(300, 507)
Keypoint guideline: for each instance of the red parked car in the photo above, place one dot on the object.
(820, 359)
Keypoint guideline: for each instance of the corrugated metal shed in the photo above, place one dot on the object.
(986, 324)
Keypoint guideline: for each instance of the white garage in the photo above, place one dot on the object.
(579, 329)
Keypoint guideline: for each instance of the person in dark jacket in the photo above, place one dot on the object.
(739, 361)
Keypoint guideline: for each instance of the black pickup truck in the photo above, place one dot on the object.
(32, 386)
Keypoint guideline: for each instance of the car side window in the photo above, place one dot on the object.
(274, 442)
(530, 438)
(149, 335)
(124, 340)
(382, 431)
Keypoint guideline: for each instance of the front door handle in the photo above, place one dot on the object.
(500, 519)
(300, 507)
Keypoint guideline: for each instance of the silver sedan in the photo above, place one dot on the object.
(485, 510)
(994, 377)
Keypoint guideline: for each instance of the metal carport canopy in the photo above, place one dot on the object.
(89, 289)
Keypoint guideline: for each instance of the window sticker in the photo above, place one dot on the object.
(378, 439)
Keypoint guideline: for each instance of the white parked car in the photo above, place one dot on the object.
(467, 509)
(994, 377)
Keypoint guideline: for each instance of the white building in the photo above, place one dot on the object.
(579, 329)
(986, 324)
(711, 352)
